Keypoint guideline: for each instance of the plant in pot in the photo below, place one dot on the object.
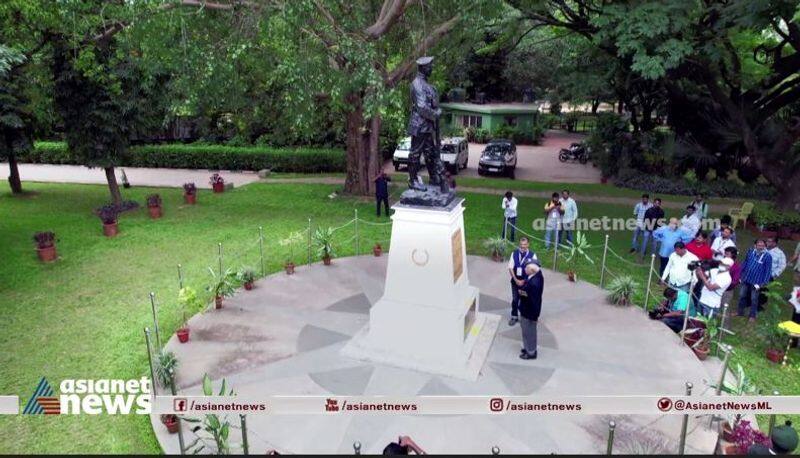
(165, 363)
(496, 246)
(323, 239)
(706, 333)
(574, 252)
(217, 183)
(189, 303)
(741, 386)
(377, 249)
(247, 276)
(109, 214)
(190, 193)
(744, 435)
(221, 285)
(46, 246)
(290, 242)
(154, 205)
(621, 288)
(768, 330)
(213, 431)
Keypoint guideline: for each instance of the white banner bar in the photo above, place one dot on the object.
(477, 405)
(9, 405)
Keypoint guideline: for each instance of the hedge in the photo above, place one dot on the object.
(180, 156)
(634, 179)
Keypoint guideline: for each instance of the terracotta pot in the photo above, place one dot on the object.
(767, 234)
(796, 236)
(603, 180)
(727, 432)
(732, 449)
(496, 257)
(183, 335)
(570, 275)
(218, 187)
(218, 302)
(701, 352)
(785, 232)
(171, 422)
(110, 230)
(155, 212)
(377, 250)
(775, 355)
(289, 267)
(326, 260)
(190, 199)
(47, 254)
(248, 285)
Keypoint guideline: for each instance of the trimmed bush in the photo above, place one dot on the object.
(634, 179)
(180, 156)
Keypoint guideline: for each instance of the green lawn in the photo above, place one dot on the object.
(82, 317)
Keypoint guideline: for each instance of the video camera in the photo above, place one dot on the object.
(705, 264)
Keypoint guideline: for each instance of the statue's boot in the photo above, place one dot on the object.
(413, 179)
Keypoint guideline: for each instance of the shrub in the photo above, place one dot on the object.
(190, 188)
(205, 156)
(508, 132)
(482, 135)
(634, 179)
(772, 219)
(153, 200)
(108, 213)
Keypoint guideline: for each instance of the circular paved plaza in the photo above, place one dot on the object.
(285, 336)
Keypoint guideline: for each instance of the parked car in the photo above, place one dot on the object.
(400, 156)
(455, 154)
(499, 157)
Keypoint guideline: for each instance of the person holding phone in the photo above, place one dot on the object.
(554, 213)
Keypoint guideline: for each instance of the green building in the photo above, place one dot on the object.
(490, 116)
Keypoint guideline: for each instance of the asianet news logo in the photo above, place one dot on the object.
(92, 397)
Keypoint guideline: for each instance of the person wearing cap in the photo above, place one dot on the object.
(422, 127)
(714, 286)
(530, 307)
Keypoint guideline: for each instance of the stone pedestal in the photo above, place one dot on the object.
(429, 316)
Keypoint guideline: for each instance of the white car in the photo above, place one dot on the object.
(455, 153)
(400, 156)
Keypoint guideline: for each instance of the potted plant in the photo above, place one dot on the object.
(190, 193)
(189, 303)
(621, 289)
(170, 420)
(290, 241)
(702, 346)
(768, 329)
(573, 252)
(154, 206)
(213, 431)
(744, 436)
(323, 239)
(125, 183)
(247, 276)
(217, 183)
(108, 214)
(46, 246)
(741, 386)
(165, 364)
(377, 250)
(497, 247)
(221, 286)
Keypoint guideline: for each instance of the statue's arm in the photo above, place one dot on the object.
(421, 103)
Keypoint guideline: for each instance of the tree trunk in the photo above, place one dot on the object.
(595, 105)
(13, 176)
(113, 186)
(363, 134)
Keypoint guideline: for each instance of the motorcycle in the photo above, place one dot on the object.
(575, 152)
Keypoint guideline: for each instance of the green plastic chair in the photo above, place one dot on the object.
(740, 214)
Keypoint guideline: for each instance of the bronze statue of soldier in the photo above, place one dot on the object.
(423, 127)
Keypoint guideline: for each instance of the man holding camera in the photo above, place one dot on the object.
(554, 213)
(678, 272)
(715, 283)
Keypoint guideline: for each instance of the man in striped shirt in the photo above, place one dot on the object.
(756, 273)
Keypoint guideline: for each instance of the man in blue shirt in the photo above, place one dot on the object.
(756, 273)
(638, 211)
(516, 267)
(669, 235)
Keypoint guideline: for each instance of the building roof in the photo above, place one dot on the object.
(493, 108)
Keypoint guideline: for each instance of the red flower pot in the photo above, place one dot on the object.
(775, 355)
(190, 199)
(496, 257)
(171, 422)
(603, 180)
(377, 250)
(155, 212)
(785, 232)
(326, 260)
(732, 449)
(701, 353)
(47, 254)
(248, 285)
(289, 267)
(218, 187)
(110, 230)
(570, 275)
(796, 236)
(183, 335)
(218, 302)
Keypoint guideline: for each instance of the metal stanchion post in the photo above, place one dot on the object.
(721, 379)
(603, 266)
(220, 258)
(155, 318)
(505, 229)
(685, 423)
(180, 277)
(772, 417)
(180, 427)
(243, 422)
(722, 329)
(356, 224)
(261, 249)
(309, 241)
(150, 360)
(357, 448)
(610, 446)
(649, 282)
(495, 450)
(686, 312)
(555, 251)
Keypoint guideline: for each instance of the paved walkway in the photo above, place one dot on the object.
(285, 337)
(137, 176)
